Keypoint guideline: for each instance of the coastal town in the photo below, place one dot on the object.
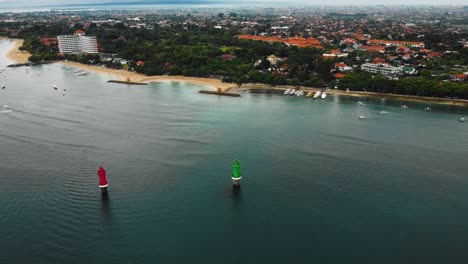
(380, 49)
(212, 131)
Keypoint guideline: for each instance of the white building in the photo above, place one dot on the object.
(77, 43)
(381, 68)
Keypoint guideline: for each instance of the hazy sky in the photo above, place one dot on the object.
(17, 3)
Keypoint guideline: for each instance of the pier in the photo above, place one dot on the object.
(127, 82)
(219, 92)
(29, 63)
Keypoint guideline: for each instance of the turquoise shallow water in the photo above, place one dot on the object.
(319, 184)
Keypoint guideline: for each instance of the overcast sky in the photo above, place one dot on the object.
(17, 3)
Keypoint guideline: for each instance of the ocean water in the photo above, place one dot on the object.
(319, 185)
(142, 5)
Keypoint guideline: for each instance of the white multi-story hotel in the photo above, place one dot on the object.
(77, 43)
(381, 68)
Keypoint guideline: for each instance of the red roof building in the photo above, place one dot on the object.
(378, 42)
(340, 65)
(49, 41)
(293, 41)
(378, 61)
(339, 75)
(140, 63)
(227, 57)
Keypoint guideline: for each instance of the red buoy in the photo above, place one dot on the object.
(101, 172)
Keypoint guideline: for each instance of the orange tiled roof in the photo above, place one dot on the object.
(49, 41)
(378, 60)
(293, 41)
(375, 49)
(339, 75)
(394, 42)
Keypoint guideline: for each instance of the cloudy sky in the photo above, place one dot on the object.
(17, 3)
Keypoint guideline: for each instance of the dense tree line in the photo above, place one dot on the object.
(420, 86)
(197, 51)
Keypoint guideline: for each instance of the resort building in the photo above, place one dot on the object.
(77, 43)
(381, 68)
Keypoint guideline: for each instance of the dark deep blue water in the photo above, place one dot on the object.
(319, 185)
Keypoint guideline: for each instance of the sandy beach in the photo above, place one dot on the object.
(15, 54)
(124, 75)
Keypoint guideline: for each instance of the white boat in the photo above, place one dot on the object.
(288, 91)
(383, 112)
(360, 103)
(427, 108)
(292, 92)
(300, 93)
(84, 73)
(317, 95)
(404, 106)
(462, 119)
(3, 86)
(5, 106)
(362, 117)
(55, 86)
(324, 95)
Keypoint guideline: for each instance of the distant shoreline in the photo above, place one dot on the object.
(18, 56)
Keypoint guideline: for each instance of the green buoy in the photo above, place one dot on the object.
(236, 174)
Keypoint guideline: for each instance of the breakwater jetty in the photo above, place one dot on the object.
(29, 63)
(127, 82)
(219, 92)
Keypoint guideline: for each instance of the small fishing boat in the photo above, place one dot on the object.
(288, 91)
(462, 119)
(299, 93)
(3, 86)
(362, 117)
(324, 95)
(427, 109)
(360, 103)
(84, 73)
(404, 106)
(292, 92)
(317, 95)
(383, 112)
(309, 94)
(55, 87)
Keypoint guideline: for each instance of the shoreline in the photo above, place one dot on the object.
(17, 56)
(402, 97)
(123, 75)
